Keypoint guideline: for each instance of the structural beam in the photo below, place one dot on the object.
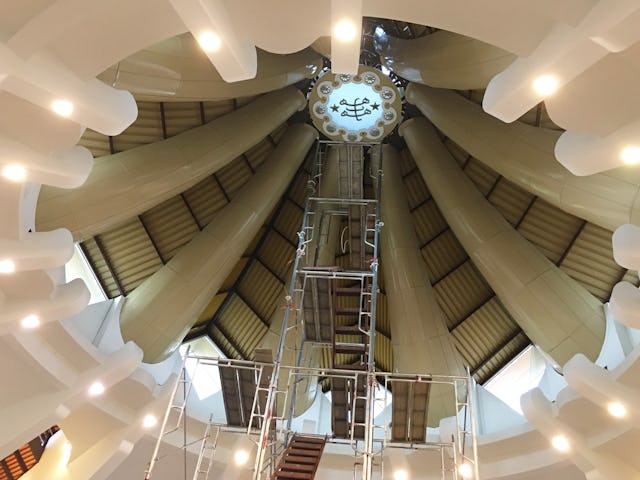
(159, 313)
(173, 70)
(126, 184)
(524, 155)
(443, 59)
(555, 312)
(420, 340)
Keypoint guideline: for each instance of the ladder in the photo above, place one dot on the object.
(176, 407)
(206, 451)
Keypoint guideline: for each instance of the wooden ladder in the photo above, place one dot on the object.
(300, 460)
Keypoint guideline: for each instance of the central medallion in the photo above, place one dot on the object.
(355, 108)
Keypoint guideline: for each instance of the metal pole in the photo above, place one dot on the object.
(273, 384)
(472, 412)
(367, 470)
(154, 457)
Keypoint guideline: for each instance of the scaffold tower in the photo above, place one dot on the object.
(330, 305)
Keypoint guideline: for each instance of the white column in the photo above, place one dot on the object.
(158, 314)
(525, 155)
(126, 184)
(555, 311)
(420, 339)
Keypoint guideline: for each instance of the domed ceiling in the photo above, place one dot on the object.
(239, 315)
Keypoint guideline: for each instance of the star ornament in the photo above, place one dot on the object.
(334, 108)
(375, 106)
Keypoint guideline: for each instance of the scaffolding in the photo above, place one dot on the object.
(333, 306)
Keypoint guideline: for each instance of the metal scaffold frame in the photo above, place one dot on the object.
(208, 441)
(462, 448)
(369, 437)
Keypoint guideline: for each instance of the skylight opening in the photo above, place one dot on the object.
(78, 267)
(205, 378)
(520, 375)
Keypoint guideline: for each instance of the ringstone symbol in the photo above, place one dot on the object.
(345, 78)
(330, 128)
(321, 109)
(389, 115)
(326, 89)
(374, 132)
(356, 109)
(352, 137)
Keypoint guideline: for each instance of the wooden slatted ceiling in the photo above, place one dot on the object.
(241, 325)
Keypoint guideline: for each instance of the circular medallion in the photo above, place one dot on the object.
(355, 108)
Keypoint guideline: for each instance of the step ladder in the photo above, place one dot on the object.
(174, 413)
(301, 459)
(206, 451)
(350, 342)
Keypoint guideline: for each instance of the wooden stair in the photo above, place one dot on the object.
(301, 459)
(26, 457)
(350, 352)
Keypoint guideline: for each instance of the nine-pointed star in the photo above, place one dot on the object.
(334, 108)
(375, 106)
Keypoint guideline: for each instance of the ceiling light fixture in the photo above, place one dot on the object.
(209, 41)
(345, 31)
(545, 85)
(617, 410)
(465, 470)
(400, 475)
(65, 454)
(13, 172)
(241, 457)
(30, 321)
(7, 266)
(96, 389)
(631, 155)
(64, 108)
(149, 421)
(560, 443)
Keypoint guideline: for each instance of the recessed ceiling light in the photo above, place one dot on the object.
(545, 85)
(560, 443)
(96, 389)
(149, 421)
(631, 155)
(13, 172)
(400, 475)
(7, 266)
(617, 409)
(465, 470)
(64, 108)
(345, 31)
(209, 41)
(241, 457)
(30, 321)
